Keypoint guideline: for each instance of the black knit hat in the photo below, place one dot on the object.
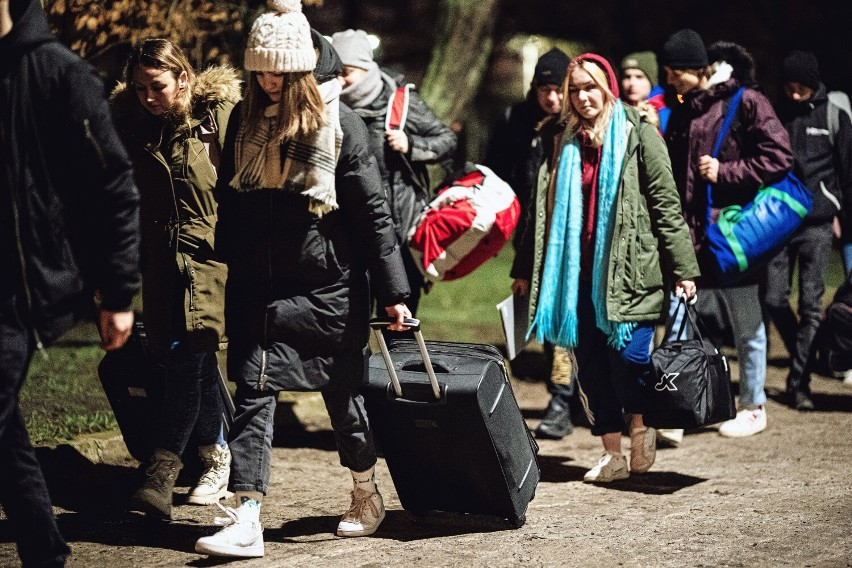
(551, 67)
(802, 67)
(684, 50)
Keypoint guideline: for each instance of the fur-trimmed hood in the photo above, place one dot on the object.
(738, 57)
(214, 85)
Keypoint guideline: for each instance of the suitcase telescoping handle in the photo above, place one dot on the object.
(377, 324)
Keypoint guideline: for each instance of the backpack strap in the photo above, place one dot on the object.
(837, 101)
(731, 113)
(397, 111)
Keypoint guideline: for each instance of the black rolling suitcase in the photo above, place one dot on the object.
(449, 427)
(133, 383)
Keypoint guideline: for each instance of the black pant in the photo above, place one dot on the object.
(191, 402)
(811, 246)
(23, 491)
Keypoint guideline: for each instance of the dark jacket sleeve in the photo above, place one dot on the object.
(360, 195)
(224, 193)
(769, 155)
(843, 168)
(103, 197)
(498, 155)
(430, 139)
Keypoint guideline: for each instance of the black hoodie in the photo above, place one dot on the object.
(69, 220)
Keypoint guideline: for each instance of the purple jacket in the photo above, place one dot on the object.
(756, 150)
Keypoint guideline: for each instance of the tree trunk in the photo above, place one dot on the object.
(460, 58)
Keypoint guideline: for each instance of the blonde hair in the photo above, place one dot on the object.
(597, 127)
(159, 53)
(301, 109)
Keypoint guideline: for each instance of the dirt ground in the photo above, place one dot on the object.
(781, 498)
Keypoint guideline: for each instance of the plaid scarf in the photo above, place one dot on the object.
(309, 162)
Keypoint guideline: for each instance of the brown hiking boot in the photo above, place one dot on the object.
(154, 498)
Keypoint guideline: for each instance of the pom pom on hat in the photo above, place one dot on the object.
(280, 40)
(285, 5)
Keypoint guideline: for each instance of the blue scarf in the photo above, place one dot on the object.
(556, 314)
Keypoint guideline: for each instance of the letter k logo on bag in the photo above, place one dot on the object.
(667, 382)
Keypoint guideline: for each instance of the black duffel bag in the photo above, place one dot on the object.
(690, 385)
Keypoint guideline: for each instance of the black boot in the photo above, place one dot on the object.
(799, 393)
(154, 498)
(556, 423)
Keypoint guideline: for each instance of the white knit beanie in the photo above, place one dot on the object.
(280, 40)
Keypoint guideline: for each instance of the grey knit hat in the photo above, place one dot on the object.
(353, 47)
(280, 40)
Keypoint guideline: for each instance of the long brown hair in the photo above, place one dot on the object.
(159, 53)
(301, 109)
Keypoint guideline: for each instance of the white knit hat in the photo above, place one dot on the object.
(280, 40)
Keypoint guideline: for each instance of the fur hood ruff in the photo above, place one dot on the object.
(216, 84)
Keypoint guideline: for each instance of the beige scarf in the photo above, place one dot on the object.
(309, 161)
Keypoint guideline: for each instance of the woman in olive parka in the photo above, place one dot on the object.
(173, 123)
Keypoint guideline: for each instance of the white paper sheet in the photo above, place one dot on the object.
(514, 313)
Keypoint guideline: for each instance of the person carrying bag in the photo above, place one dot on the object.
(745, 237)
(690, 385)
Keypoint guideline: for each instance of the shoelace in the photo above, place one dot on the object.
(356, 509)
(230, 520)
(212, 474)
(160, 472)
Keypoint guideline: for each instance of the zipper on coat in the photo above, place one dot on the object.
(93, 141)
(28, 297)
(261, 384)
(190, 274)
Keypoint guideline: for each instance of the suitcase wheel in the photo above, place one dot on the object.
(518, 522)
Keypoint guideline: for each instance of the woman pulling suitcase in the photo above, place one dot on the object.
(303, 219)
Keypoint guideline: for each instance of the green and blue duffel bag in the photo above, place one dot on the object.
(745, 237)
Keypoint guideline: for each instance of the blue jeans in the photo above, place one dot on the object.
(23, 491)
(611, 380)
(811, 248)
(250, 438)
(743, 308)
(191, 400)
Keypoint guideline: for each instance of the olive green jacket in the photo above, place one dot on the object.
(650, 237)
(176, 179)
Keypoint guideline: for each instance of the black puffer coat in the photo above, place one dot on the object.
(69, 211)
(297, 301)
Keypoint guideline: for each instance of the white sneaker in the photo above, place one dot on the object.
(847, 378)
(238, 538)
(365, 514)
(610, 468)
(213, 484)
(669, 437)
(747, 423)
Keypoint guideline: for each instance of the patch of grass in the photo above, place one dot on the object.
(62, 396)
(465, 309)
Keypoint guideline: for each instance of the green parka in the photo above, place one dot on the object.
(648, 222)
(176, 181)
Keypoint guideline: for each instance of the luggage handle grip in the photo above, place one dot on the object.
(377, 324)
